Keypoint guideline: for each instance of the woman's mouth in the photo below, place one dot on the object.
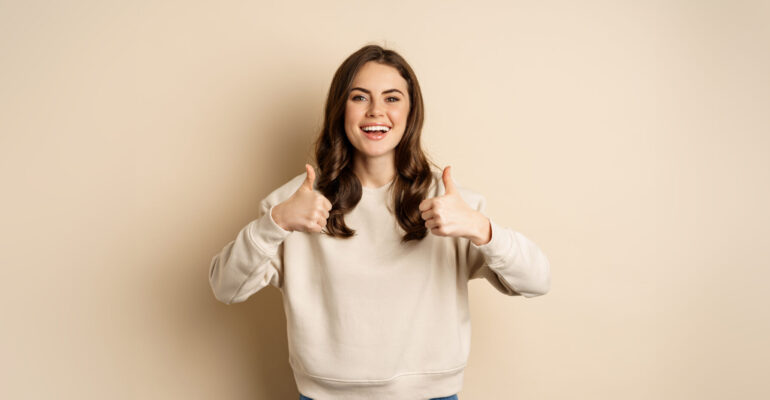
(375, 132)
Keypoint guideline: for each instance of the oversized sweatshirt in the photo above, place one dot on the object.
(369, 317)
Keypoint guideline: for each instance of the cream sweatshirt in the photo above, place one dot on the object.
(368, 317)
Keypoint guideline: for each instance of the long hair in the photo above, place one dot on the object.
(334, 152)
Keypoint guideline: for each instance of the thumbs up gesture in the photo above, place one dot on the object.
(306, 210)
(450, 215)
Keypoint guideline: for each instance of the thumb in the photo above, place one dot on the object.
(449, 184)
(308, 183)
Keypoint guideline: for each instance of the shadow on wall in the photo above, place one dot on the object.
(250, 347)
(282, 138)
(266, 346)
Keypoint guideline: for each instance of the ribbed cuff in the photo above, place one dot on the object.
(266, 233)
(498, 249)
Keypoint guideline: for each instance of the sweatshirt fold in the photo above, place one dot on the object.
(266, 233)
(517, 261)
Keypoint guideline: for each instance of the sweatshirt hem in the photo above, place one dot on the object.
(402, 386)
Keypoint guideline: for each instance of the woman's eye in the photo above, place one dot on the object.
(358, 96)
(393, 99)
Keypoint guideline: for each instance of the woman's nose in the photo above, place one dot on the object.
(375, 108)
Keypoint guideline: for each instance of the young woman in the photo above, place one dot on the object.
(374, 254)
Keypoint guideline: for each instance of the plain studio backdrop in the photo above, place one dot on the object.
(628, 139)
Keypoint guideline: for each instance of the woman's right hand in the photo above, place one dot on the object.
(306, 210)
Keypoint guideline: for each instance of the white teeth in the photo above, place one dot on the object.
(373, 128)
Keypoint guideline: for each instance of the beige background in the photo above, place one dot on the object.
(630, 140)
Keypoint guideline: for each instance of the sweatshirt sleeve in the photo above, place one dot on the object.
(511, 262)
(251, 261)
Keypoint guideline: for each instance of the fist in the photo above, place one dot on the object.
(306, 210)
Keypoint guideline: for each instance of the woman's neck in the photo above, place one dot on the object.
(374, 172)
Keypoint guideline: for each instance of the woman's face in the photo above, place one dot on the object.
(379, 97)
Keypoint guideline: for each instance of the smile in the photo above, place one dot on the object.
(375, 132)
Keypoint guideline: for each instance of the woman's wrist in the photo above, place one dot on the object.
(276, 216)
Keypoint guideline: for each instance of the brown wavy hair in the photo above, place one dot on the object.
(334, 152)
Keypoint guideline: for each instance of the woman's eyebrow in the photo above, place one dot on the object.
(384, 92)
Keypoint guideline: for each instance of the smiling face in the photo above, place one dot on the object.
(376, 110)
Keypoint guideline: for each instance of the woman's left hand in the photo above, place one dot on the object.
(450, 215)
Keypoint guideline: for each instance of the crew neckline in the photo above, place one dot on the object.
(380, 189)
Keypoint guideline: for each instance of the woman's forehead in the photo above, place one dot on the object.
(379, 77)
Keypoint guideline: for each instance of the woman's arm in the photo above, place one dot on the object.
(510, 261)
(251, 261)
(506, 258)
